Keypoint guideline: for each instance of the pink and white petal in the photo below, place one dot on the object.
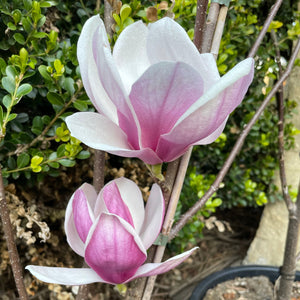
(65, 276)
(98, 132)
(132, 196)
(152, 269)
(73, 238)
(154, 216)
(206, 115)
(88, 68)
(114, 203)
(82, 214)
(161, 95)
(112, 83)
(112, 251)
(213, 136)
(168, 41)
(130, 53)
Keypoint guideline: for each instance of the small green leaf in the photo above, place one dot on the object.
(26, 24)
(68, 85)
(17, 15)
(67, 162)
(2, 65)
(83, 154)
(39, 34)
(43, 71)
(11, 117)
(27, 4)
(80, 105)
(8, 84)
(11, 163)
(19, 38)
(7, 101)
(23, 160)
(35, 163)
(55, 99)
(11, 26)
(125, 12)
(23, 90)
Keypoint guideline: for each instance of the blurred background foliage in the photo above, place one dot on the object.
(40, 85)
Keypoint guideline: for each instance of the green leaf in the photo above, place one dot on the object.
(2, 65)
(83, 154)
(19, 38)
(61, 150)
(23, 160)
(45, 74)
(7, 101)
(67, 162)
(54, 164)
(8, 84)
(55, 99)
(27, 4)
(26, 24)
(11, 72)
(125, 12)
(11, 163)
(11, 117)
(23, 90)
(11, 26)
(1, 115)
(39, 34)
(68, 85)
(17, 15)
(80, 105)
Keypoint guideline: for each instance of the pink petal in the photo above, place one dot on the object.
(207, 114)
(65, 276)
(73, 237)
(99, 132)
(88, 68)
(81, 214)
(155, 211)
(132, 196)
(130, 53)
(167, 41)
(112, 83)
(114, 251)
(114, 202)
(162, 94)
(152, 269)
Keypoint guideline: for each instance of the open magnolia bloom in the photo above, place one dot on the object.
(112, 231)
(155, 94)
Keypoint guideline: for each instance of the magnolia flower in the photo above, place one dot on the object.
(112, 231)
(155, 94)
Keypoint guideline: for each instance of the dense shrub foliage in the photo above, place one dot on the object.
(40, 86)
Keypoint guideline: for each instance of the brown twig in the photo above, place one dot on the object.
(210, 26)
(280, 108)
(235, 150)
(264, 30)
(289, 262)
(11, 245)
(199, 23)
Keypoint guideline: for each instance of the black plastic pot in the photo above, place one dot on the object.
(230, 273)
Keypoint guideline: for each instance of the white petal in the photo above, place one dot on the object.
(168, 41)
(88, 69)
(98, 132)
(133, 198)
(65, 276)
(73, 238)
(151, 269)
(154, 216)
(130, 53)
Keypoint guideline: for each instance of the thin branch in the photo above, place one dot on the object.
(264, 30)
(11, 244)
(210, 26)
(199, 23)
(280, 107)
(99, 166)
(288, 269)
(219, 31)
(235, 150)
